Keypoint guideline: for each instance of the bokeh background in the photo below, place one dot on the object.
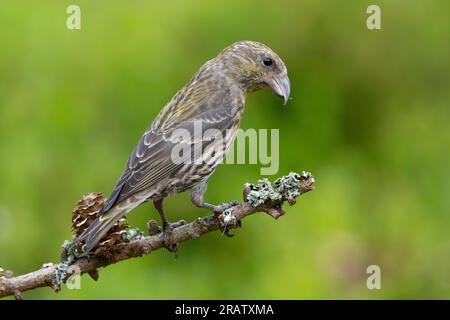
(369, 118)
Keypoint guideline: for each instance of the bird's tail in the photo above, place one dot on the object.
(104, 222)
(97, 230)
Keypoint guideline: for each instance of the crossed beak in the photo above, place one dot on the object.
(281, 86)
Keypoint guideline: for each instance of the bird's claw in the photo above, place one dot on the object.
(225, 206)
(153, 228)
(225, 231)
(167, 236)
(178, 224)
(167, 239)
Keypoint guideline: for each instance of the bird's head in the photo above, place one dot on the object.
(255, 66)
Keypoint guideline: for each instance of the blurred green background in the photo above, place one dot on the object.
(369, 118)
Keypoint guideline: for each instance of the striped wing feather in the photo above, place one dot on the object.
(151, 162)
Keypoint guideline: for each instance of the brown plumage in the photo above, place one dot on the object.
(214, 98)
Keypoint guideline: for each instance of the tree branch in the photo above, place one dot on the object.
(261, 197)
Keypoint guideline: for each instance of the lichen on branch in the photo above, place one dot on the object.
(123, 242)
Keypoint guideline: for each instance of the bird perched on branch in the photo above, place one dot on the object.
(190, 137)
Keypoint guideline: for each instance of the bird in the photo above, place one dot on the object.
(213, 99)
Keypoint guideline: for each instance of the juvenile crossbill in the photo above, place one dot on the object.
(213, 99)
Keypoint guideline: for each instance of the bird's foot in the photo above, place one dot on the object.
(167, 236)
(223, 206)
(178, 224)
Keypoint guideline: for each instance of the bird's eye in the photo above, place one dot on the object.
(267, 61)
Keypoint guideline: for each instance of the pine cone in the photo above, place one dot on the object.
(86, 212)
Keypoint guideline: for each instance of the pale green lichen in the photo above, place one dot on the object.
(61, 268)
(284, 188)
(261, 192)
(133, 234)
(61, 272)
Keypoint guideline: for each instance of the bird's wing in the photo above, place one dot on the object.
(151, 160)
